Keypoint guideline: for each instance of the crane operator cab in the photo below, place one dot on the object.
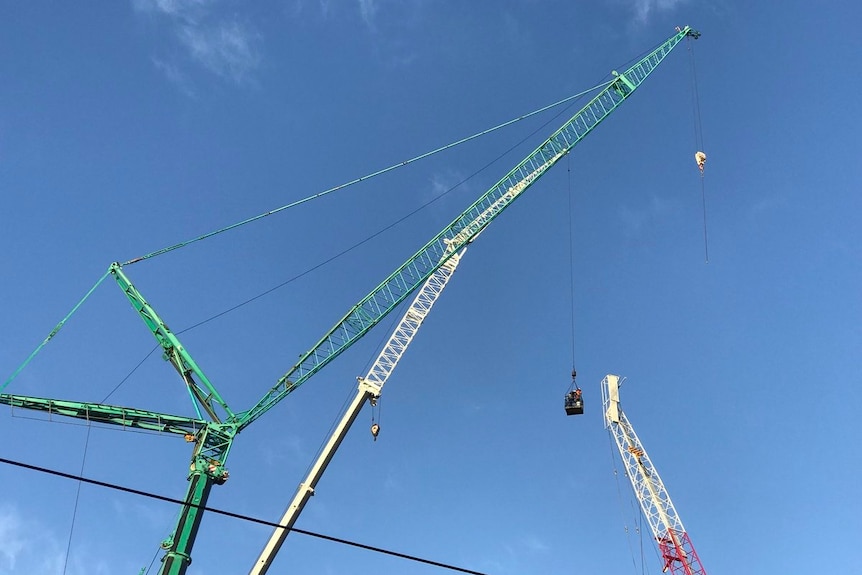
(574, 403)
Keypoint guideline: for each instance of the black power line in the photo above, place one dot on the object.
(235, 515)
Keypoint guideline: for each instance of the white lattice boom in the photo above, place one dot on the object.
(371, 385)
(676, 549)
(409, 325)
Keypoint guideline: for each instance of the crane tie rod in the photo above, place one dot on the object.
(284, 207)
(232, 514)
(54, 331)
(363, 178)
(291, 205)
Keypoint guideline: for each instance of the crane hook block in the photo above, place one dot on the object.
(574, 403)
(375, 430)
(700, 158)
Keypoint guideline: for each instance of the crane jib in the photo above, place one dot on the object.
(410, 275)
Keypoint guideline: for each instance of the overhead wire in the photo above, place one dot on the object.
(235, 515)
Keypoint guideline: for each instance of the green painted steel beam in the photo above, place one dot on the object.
(174, 351)
(178, 546)
(394, 289)
(212, 445)
(108, 414)
(207, 469)
(213, 440)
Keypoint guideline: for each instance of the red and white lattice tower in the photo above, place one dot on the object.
(674, 544)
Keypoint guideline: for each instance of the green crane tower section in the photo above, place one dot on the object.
(216, 425)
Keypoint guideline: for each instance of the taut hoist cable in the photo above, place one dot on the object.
(571, 261)
(699, 156)
(574, 386)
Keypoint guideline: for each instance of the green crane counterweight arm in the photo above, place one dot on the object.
(403, 281)
(109, 414)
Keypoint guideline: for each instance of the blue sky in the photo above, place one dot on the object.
(129, 126)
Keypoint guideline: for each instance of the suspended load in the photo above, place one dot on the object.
(700, 158)
(574, 403)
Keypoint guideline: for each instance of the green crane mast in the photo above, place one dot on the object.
(216, 425)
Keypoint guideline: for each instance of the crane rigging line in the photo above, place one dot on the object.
(54, 332)
(388, 226)
(153, 562)
(77, 499)
(366, 177)
(235, 515)
(305, 272)
(698, 138)
(571, 257)
(620, 500)
(60, 325)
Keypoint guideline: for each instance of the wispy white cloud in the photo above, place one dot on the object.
(635, 221)
(176, 76)
(533, 543)
(368, 10)
(185, 9)
(442, 183)
(325, 7)
(390, 23)
(143, 512)
(645, 9)
(297, 9)
(443, 187)
(225, 46)
(393, 481)
(26, 547)
(287, 448)
(227, 49)
(29, 545)
(11, 540)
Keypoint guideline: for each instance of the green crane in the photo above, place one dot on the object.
(216, 425)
